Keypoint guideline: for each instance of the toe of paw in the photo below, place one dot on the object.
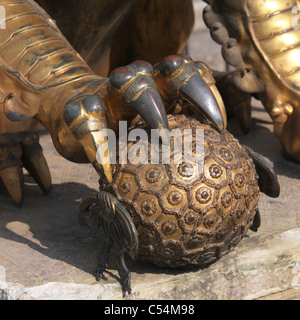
(93, 104)
(170, 64)
(72, 112)
(124, 75)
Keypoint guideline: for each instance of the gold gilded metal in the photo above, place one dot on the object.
(261, 40)
(42, 76)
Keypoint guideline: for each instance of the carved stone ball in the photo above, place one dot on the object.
(186, 215)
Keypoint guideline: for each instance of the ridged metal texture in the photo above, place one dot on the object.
(261, 40)
(271, 27)
(34, 50)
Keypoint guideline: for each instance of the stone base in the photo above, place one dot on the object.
(263, 266)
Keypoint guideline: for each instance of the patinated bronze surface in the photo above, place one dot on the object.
(186, 214)
(186, 217)
(261, 40)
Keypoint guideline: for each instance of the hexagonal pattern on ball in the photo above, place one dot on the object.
(185, 215)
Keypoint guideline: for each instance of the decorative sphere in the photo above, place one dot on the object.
(187, 214)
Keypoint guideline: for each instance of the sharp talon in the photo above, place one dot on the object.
(268, 181)
(35, 162)
(135, 85)
(178, 77)
(14, 183)
(86, 119)
(206, 73)
(11, 164)
(38, 168)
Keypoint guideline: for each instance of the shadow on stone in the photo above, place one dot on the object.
(49, 225)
